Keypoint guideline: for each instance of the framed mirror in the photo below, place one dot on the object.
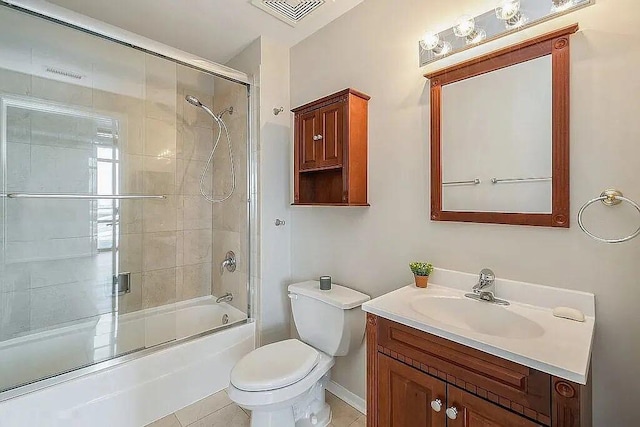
(500, 135)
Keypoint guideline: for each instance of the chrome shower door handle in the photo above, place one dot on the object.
(229, 263)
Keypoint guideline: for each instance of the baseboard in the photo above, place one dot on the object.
(348, 397)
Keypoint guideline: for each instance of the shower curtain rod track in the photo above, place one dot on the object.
(81, 196)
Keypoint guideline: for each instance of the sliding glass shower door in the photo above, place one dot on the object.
(107, 245)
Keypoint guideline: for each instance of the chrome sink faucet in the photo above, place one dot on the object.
(486, 282)
(484, 290)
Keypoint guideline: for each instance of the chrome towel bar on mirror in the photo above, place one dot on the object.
(609, 197)
(512, 180)
(471, 182)
(81, 196)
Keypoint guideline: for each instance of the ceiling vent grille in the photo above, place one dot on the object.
(289, 11)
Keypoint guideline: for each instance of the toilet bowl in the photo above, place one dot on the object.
(283, 383)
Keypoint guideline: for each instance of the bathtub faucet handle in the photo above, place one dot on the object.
(229, 263)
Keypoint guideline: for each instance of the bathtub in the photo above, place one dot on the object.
(173, 356)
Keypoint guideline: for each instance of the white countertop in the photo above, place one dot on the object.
(560, 347)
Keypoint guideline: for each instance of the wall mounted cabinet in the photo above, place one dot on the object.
(330, 151)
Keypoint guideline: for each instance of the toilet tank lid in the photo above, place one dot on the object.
(339, 296)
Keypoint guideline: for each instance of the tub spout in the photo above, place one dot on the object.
(228, 297)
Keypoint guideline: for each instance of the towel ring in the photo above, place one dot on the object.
(608, 198)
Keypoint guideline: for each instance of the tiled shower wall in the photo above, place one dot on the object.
(230, 219)
(169, 249)
(163, 145)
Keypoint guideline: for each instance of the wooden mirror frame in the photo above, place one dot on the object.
(555, 44)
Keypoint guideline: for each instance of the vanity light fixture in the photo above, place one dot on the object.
(509, 12)
(466, 28)
(506, 17)
(561, 5)
(432, 42)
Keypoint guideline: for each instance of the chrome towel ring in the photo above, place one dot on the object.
(609, 198)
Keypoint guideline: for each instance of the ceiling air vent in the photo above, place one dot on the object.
(289, 11)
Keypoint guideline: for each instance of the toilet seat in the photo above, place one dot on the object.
(274, 366)
(281, 397)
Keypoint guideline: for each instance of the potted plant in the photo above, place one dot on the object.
(421, 272)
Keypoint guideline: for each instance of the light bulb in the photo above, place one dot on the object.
(516, 21)
(442, 49)
(561, 5)
(476, 37)
(465, 25)
(430, 41)
(507, 9)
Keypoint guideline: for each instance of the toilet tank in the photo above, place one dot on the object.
(330, 321)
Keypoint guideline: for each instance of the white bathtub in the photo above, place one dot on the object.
(131, 391)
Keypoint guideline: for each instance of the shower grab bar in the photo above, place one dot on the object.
(512, 180)
(471, 182)
(81, 196)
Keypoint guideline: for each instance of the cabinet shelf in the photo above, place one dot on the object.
(330, 150)
(321, 168)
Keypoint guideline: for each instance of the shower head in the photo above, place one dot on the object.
(196, 103)
(193, 100)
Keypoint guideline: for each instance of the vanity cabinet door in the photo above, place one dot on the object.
(405, 395)
(471, 411)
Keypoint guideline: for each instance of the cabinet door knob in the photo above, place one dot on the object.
(315, 137)
(452, 413)
(436, 405)
(319, 137)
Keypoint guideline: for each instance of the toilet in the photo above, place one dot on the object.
(283, 383)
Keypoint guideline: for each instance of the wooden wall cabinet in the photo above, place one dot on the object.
(415, 379)
(330, 150)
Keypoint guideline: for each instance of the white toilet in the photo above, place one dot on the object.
(283, 383)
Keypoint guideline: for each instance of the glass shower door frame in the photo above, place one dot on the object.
(69, 19)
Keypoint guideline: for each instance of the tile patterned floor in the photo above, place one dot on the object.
(219, 411)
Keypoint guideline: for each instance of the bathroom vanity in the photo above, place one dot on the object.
(436, 358)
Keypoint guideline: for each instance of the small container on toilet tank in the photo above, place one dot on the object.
(325, 283)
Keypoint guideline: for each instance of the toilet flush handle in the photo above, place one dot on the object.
(293, 296)
(314, 419)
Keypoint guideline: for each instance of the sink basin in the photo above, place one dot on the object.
(478, 316)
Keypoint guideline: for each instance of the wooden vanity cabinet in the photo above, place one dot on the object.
(408, 370)
(330, 150)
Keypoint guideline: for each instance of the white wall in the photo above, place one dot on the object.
(268, 61)
(373, 48)
(275, 161)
